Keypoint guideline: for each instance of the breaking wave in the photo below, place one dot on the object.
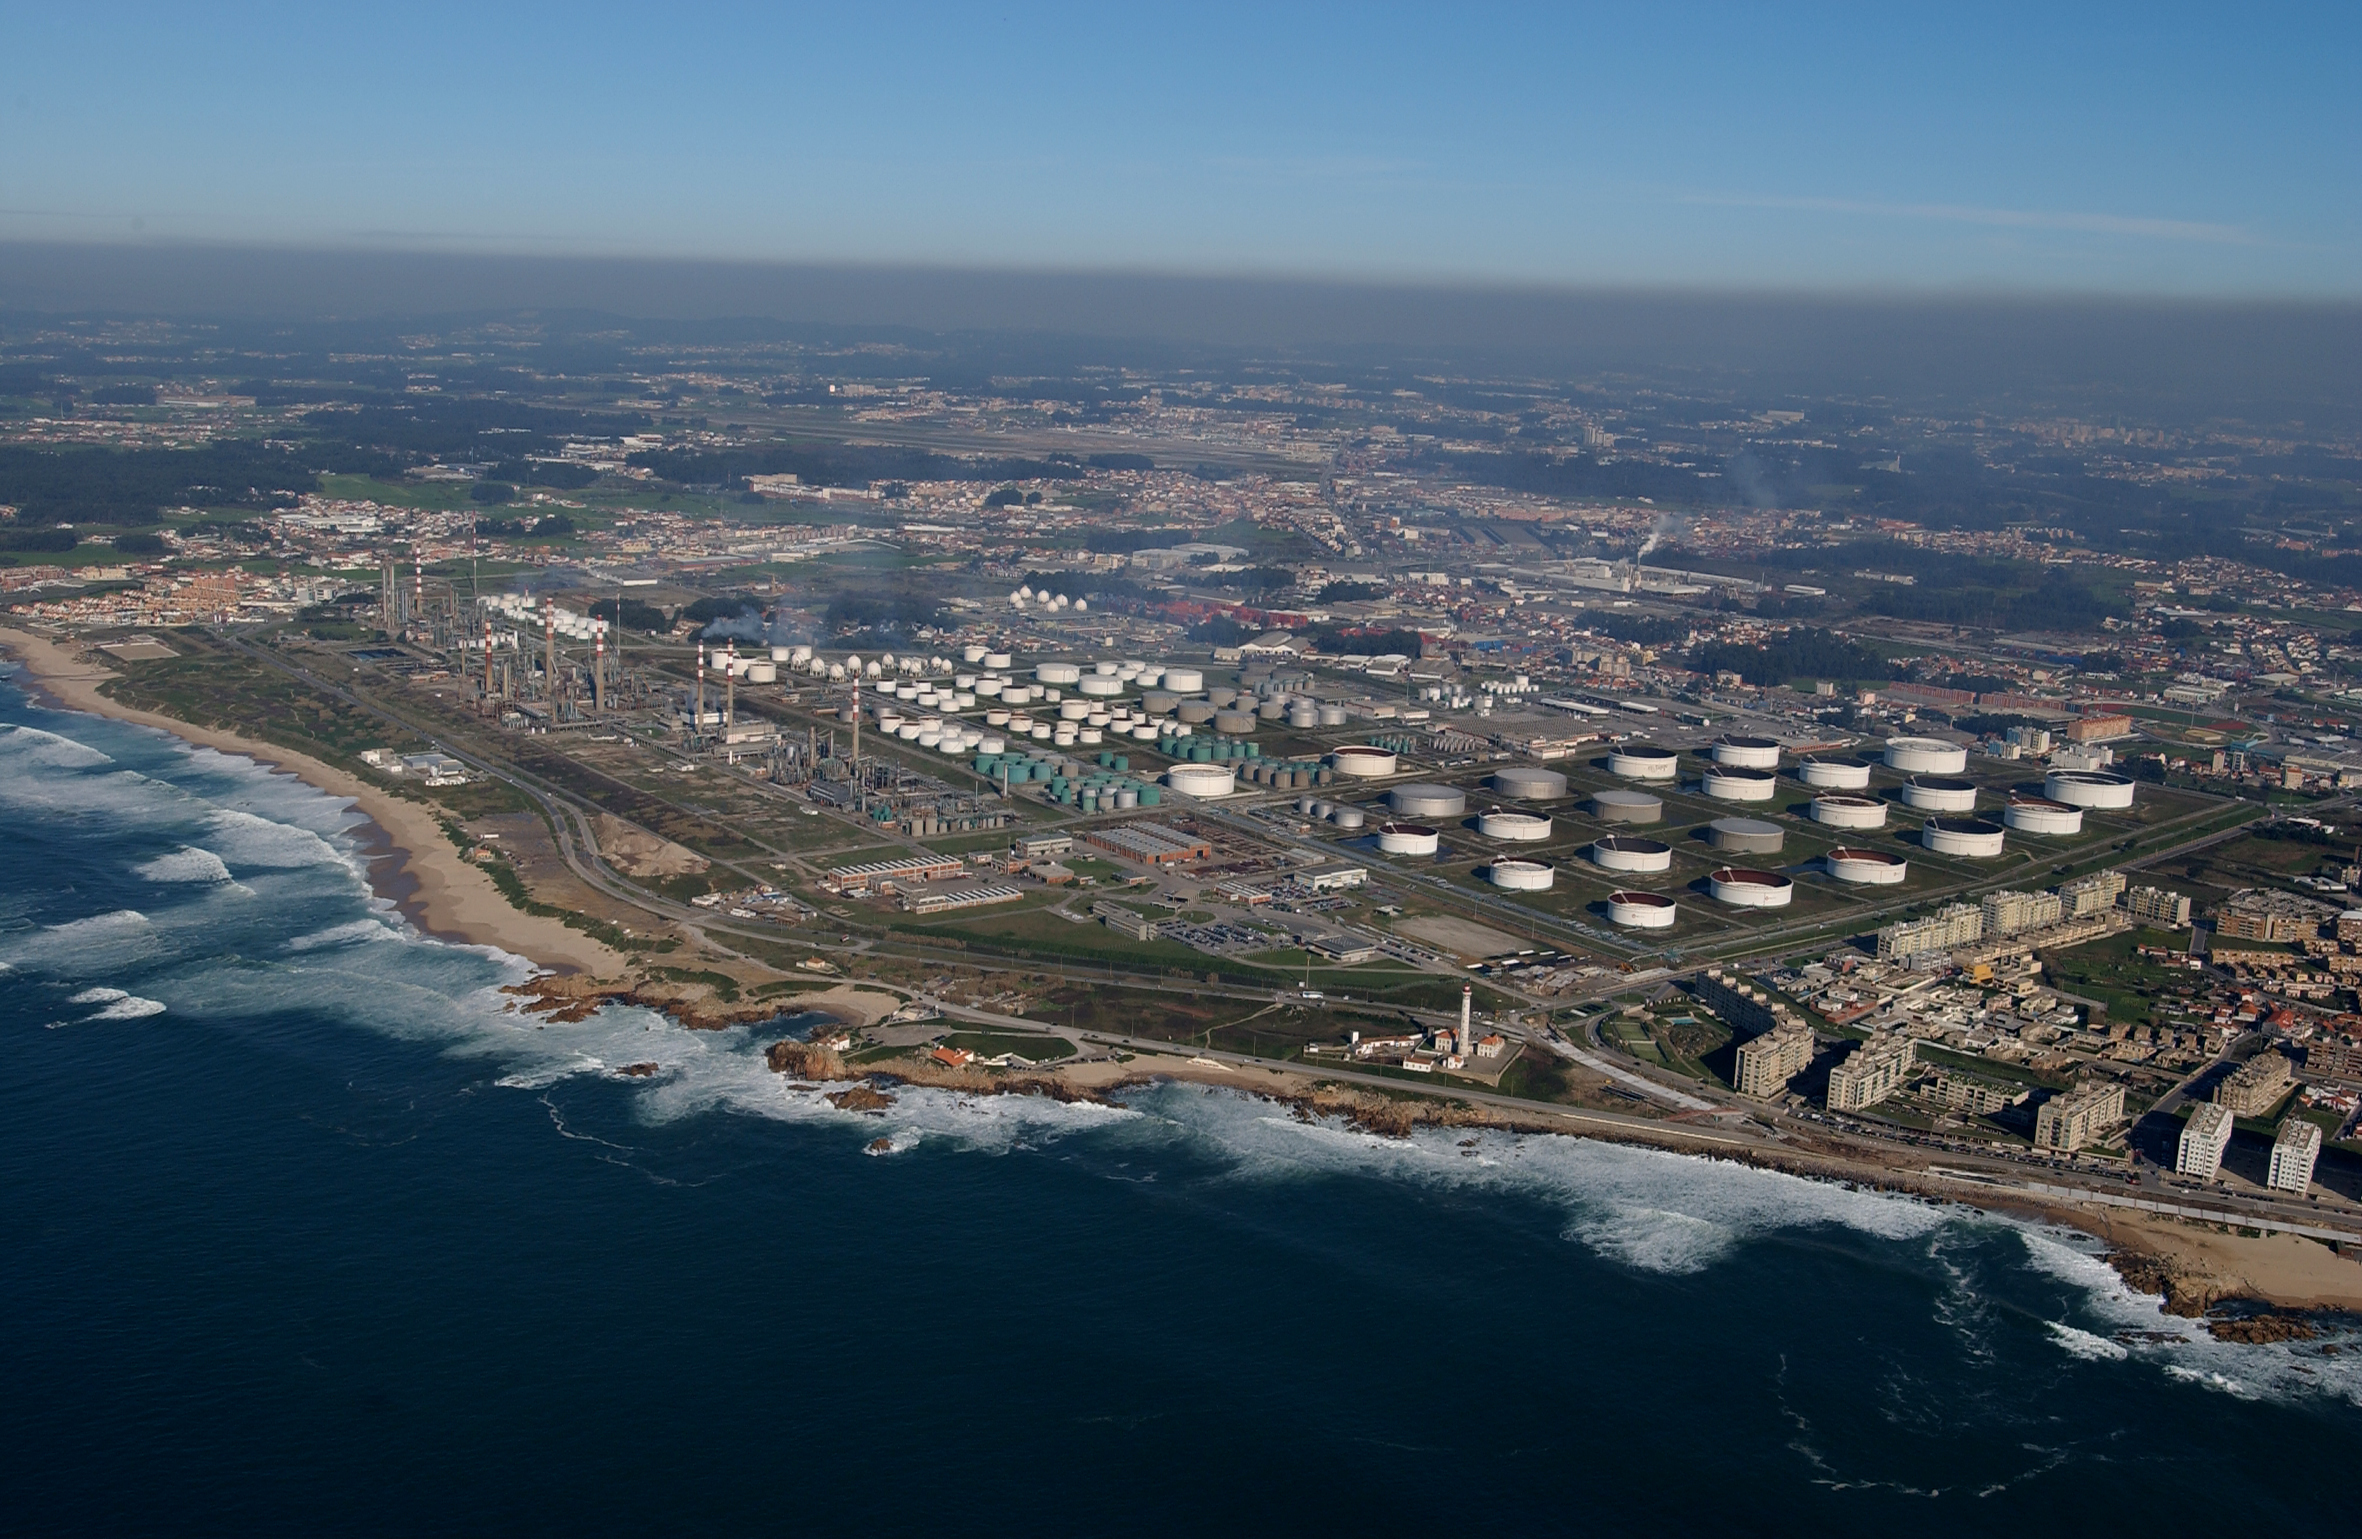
(186, 864)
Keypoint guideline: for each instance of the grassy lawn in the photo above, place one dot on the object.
(991, 1044)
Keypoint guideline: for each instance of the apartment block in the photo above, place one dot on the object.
(1958, 924)
(2085, 896)
(2079, 1117)
(1768, 1062)
(2204, 1138)
(2256, 1086)
(1876, 1070)
(2157, 907)
(2008, 913)
(1978, 1097)
(2293, 1155)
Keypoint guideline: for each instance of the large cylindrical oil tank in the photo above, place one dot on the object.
(1973, 837)
(1838, 811)
(1925, 756)
(1865, 868)
(2041, 815)
(1408, 839)
(1513, 827)
(1725, 784)
(1057, 673)
(1746, 752)
(1184, 681)
(1641, 910)
(1363, 761)
(1834, 774)
(1744, 887)
(1939, 793)
(2095, 789)
(1520, 875)
(1196, 712)
(1331, 715)
(1745, 836)
(1629, 852)
(1349, 817)
(1644, 761)
(1529, 783)
(1235, 723)
(1428, 801)
(1619, 806)
(1159, 702)
(1203, 781)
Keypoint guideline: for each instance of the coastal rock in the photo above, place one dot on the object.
(2260, 1330)
(861, 1098)
(695, 1004)
(638, 1070)
(804, 1060)
(2186, 1294)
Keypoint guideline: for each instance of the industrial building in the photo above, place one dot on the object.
(1151, 843)
(1876, 1070)
(2079, 1117)
(2204, 1138)
(891, 875)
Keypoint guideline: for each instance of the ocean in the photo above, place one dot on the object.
(302, 1232)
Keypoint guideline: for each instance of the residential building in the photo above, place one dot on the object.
(2333, 1058)
(2156, 907)
(2078, 1117)
(2007, 913)
(1957, 924)
(1874, 1071)
(2094, 729)
(2204, 1138)
(2085, 896)
(1978, 1097)
(1743, 1007)
(2256, 1086)
(2293, 1155)
(1769, 1061)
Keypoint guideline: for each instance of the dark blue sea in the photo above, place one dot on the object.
(302, 1233)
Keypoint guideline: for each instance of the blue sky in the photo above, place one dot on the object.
(2148, 149)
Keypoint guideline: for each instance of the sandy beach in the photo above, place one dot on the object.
(412, 862)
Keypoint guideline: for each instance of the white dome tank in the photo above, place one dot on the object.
(1513, 827)
(1925, 756)
(2088, 788)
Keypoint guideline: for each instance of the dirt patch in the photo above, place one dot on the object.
(1464, 937)
(637, 853)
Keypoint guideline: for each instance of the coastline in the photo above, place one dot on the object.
(410, 860)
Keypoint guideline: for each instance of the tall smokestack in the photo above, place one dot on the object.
(730, 688)
(697, 721)
(487, 657)
(599, 670)
(549, 660)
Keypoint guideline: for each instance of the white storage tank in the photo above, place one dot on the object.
(1349, 817)
(1074, 710)
(1939, 793)
(1428, 801)
(1203, 781)
(996, 659)
(1629, 852)
(1184, 681)
(1641, 910)
(1408, 839)
(1617, 806)
(1746, 753)
(1364, 762)
(1057, 673)
(1101, 687)
(1972, 837)
(2088, 788)
(762, 672)
(1513, 827)
(1745, 887)
(1529, 783)
(1849, 811)
(1925, 756)
(1745, 836)
(1725, 784)
(1644, 761)
(1865, 868)
(1835, 774)
(2041, 815)
(1520, 875)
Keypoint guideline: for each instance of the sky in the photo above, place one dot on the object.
(2137, 150)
